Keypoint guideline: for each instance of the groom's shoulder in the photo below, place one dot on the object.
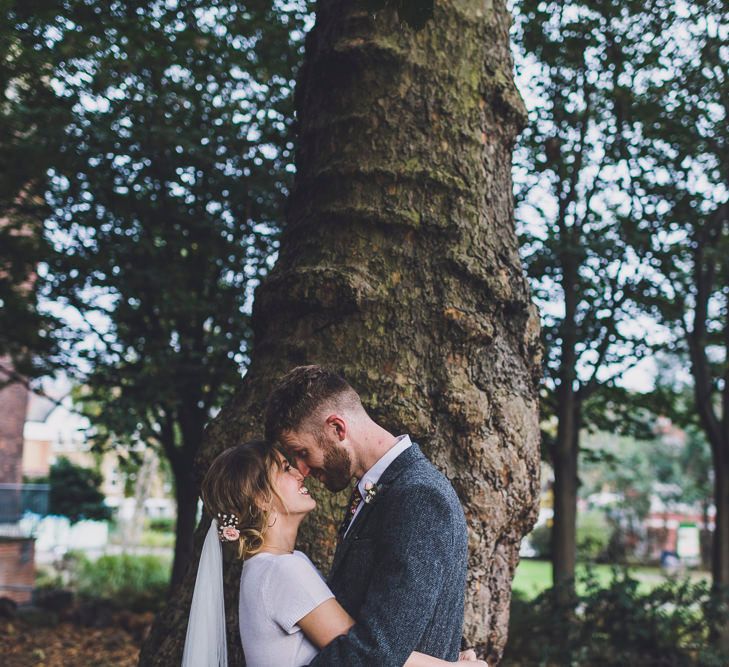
(424, 477)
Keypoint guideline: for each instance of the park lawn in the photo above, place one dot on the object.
(534, 576)
(157, 539)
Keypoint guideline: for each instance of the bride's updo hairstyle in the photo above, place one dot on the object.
(239, 482)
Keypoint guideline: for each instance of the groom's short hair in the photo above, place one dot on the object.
(301, 394)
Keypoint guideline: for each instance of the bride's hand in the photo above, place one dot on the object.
(469, 655)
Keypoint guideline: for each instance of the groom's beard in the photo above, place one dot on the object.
(336, 471)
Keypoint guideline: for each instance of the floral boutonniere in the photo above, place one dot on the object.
(371, 491)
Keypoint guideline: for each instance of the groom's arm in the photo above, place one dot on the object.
(415, 548)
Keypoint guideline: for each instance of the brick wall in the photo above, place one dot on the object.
(17, 569)
(13, 407)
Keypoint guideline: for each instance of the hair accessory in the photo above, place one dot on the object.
(228, 527)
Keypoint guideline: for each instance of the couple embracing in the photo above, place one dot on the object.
(395, 592)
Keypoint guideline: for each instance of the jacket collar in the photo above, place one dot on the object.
(406, 459)
(401, 464)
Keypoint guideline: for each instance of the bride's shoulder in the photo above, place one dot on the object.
(297, 561)
(301, 554)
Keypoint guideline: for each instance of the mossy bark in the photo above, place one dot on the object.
(398, 267)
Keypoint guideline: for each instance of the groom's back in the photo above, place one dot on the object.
(402, 567)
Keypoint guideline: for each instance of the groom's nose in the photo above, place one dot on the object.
(304, 469)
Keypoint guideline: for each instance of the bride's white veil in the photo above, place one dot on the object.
(205, 644)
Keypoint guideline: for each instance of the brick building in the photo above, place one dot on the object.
(17, 558)
(13, 408)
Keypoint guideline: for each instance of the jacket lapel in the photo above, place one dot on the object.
(391, 473)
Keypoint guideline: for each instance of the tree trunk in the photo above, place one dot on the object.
(399, 267)
(720, 541)
(142, 488)
(564, 527)
(566, 448)
(706, 536)
(186, 494)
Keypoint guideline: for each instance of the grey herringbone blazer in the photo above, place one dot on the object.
(401, 570)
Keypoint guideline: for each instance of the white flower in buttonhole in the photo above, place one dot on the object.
(370, 491)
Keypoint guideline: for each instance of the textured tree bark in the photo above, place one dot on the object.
(399, 267)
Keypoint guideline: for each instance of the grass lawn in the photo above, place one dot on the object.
(534, 576)
(155, 538)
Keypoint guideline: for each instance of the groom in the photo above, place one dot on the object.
(400, 565)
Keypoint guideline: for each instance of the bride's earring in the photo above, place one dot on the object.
(275, 517)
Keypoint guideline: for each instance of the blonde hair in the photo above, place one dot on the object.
(240, 482)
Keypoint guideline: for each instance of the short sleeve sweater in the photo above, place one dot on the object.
(276, 591)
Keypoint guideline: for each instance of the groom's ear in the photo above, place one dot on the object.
(336, 424)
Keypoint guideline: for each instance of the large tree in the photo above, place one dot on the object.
(32, 118)
(580, 61)
(166, 203)
(399, 267)
(684, 189)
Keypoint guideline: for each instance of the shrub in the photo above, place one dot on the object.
(593, 537)
(162, 524)
(75, 492)
(138, 583)
(46, 578)
(616, 625)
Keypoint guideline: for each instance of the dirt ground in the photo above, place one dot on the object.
(71, 645)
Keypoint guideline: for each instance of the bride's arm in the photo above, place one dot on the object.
(325, 623)
(329, 620)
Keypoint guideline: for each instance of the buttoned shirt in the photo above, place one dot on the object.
(372, 476)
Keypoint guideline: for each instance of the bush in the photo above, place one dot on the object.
(593, 537)
(616, 625)
(75, 492)
(162, 525)
(138, 583)
(45, 578)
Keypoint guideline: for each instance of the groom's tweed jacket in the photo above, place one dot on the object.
(401, 570)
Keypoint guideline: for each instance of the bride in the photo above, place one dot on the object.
(286, 610)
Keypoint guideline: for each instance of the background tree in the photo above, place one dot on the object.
(579, 61)
(32, 117)
(399, 267)
(165, 207)
(683, 174)
(75, 492)
(687, 469)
